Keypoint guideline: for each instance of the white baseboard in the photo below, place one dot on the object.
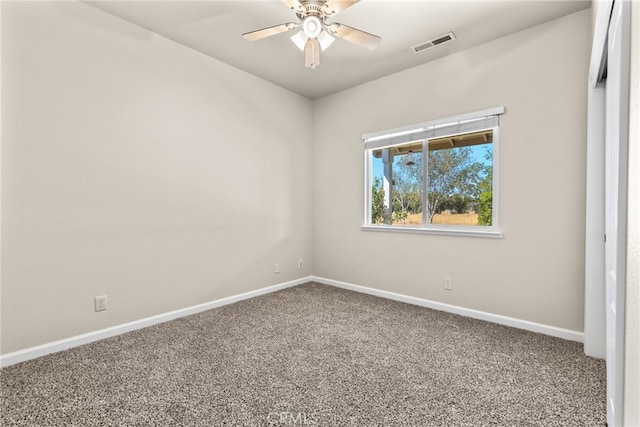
(475, 314)
(67, 343)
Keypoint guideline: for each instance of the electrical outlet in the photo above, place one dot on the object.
(101, 303)
(276, 267)
(300, 263)
(447, 284)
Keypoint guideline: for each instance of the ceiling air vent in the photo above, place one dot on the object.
(434, 42)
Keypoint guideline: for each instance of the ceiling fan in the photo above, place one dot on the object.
(317, 34)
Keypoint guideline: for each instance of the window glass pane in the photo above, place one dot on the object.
(460, 175)
(396, 185)
(407, 185)
(377, 191)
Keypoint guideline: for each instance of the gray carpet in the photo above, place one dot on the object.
(312, 355)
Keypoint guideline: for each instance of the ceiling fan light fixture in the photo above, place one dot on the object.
(312, 53)
(325, 40)
(300, 39)
(312, 26)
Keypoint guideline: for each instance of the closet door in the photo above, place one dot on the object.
(617, 125)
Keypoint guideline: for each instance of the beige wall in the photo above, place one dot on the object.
(536, 272)
(137, 168)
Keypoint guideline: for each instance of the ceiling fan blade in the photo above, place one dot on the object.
(270, 31)
(359, 37)
(331, 7)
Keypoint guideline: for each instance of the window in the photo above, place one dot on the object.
(435, 177)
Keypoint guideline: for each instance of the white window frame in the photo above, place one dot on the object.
(423, 132)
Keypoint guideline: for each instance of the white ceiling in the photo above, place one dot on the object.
(215, 28)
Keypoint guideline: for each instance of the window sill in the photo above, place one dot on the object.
(492, 234)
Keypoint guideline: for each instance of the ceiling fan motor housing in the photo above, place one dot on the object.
(311, 7)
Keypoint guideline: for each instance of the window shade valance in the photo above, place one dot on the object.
(464, 123)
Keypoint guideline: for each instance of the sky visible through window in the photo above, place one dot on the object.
(479, 155)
